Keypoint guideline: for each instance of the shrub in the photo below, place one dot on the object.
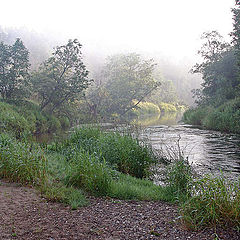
(167, 107)
(146, 108)
(11, 121)
(195, 116)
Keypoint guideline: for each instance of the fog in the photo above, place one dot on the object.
(167, 31)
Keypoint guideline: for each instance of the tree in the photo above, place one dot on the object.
(128, 77)
(62, 77)
(236, 33)
(14, 67)
(219, 70)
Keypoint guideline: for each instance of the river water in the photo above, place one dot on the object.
(207, 151)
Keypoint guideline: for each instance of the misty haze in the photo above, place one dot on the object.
(127, 112)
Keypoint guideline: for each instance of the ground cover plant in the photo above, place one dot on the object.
(70, 170)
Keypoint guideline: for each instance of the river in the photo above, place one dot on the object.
(207, 151)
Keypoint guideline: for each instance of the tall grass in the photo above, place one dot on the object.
(225, 118)
(122, 151)
(22, 162)
(214, 201)
(87, 172)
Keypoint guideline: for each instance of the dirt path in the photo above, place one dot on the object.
(25, 215)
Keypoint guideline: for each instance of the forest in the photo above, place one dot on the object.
(68, 84)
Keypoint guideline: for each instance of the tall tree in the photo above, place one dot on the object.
(14, 67)
(236, 32)
(62, 77)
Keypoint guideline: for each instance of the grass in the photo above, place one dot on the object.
(121, 151)
(214, 201)
(89, 162)
(63, 194)
(22, 162)
(225, 118)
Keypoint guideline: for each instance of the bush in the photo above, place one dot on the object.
(65, 123)
(167, 107)
(122, 151)
(11, 121)
(195, 116)
(225, 118)
(146, 108)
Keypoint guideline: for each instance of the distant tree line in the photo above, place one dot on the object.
(61, 84)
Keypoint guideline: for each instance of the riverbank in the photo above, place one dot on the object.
(26, 215)
(224, 118)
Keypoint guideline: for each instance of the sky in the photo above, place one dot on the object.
(169, 27)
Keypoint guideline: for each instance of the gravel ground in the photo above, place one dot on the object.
(25, 215)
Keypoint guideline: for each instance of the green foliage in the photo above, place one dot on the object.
(64, 121)
(22, 162)
(60, 193)
(146, 108)
(14, 62)
(219, 70)
(224, 118)
(167, 107)
(126, 77)
(126, 153)
(62, 77)
(236, 33)
(179, 178)
(87, 172)
(12, 122)
(214, 201)
(22, 117)
(195, 116)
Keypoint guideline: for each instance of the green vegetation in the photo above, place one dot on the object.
(23, 118)
(127, 154)
(101, 163)
(167, 107)
(218, 100)
(22, 162)
(214, 201)
(224, 118)
(146, 108)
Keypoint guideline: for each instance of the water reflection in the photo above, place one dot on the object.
(208, 151)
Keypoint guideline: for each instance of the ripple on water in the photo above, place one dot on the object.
(207, 150)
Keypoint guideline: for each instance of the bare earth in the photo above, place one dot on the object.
(25, 215)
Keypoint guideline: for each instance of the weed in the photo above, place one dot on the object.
(214, 201)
